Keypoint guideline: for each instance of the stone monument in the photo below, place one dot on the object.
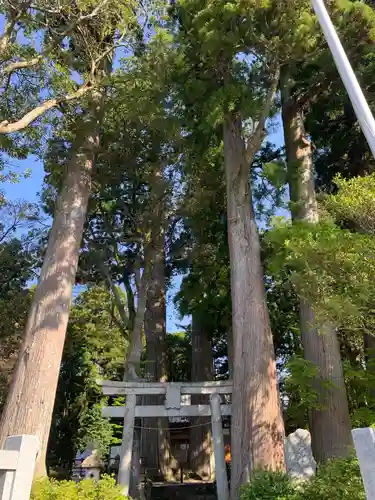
(364, 442)
(300, 462)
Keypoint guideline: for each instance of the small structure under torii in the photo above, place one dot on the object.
(172, 408)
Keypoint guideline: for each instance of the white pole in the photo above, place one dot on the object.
(361, 108)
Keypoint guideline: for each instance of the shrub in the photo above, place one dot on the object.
(88, 489)
(268, 486)
(337, 480)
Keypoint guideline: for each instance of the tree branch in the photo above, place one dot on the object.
(44, 10)
(9, 68)
(134, 354)
(257, 137)
(5, 37)
(12, 16)
(8, 128)
(130, 300)
(312, 94)
(82, 18)
(119, 305)
(114, 318)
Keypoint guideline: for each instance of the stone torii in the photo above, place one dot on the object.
(172, 408)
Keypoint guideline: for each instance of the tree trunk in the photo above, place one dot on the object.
(132, 364)
(134, 354)
(201, 446)
(130, 375)
(156, 443)
(31, 396)
(369, 348)
(257, 426)
(330, 423)
(230, 351)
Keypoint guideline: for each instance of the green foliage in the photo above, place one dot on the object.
(50, 489)
(268, 486)
(360, 384)
(330, 267)
(354, 202)
(14, 308)
(93, 428)
(170, 96)
(95, 348)
(179, 356)
(200, 251)
(340, 146)
(268, 179)
(18, 260)
(299, 390)
(337, 480)
(283, 307)
(93, 326)
(275, 173)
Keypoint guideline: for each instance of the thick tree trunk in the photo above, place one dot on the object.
(155, 434)
(230, 352)
(201, 446)
(31, 396)
(130, 375)
(369, 347)
(132, 364)
(330, 423)
(156, 443)
(257, 426)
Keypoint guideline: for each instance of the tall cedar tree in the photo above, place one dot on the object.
(36, 374)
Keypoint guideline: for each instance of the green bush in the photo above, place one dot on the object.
(88, 489)
(268, 486)
(337, 480)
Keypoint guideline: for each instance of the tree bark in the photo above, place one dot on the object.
(136, 315)
(130, 375)
(6, 36)
(257, 426)
(369, 348)
(201, 445)
(329, 423)
(156, 443)
(230, 351)
(31, 396)
(132, 364)
(134, 354)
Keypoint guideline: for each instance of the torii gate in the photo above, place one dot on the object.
(172, 408)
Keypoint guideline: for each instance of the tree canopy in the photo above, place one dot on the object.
(210, 141)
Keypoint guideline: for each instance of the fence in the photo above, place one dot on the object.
(17, 464)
